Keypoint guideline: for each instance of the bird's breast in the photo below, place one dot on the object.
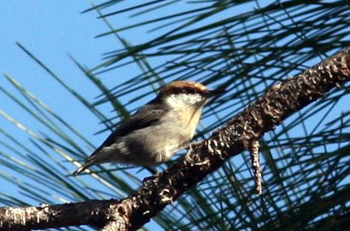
(158, 143)
(189, 119)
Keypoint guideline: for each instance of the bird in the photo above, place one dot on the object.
(157, 130)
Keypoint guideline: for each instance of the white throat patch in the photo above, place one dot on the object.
(184, 100)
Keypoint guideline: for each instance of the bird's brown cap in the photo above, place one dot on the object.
(187, 87)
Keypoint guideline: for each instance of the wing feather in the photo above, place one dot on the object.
(148, 115)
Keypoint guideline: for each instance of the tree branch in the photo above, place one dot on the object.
(280, 101)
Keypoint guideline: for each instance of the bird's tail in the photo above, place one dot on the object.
(101, 155)
(82, 168)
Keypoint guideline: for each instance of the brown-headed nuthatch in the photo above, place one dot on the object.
(157, 130)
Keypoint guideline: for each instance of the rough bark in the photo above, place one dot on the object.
(280, 101)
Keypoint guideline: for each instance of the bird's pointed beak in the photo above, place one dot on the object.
(216, 92)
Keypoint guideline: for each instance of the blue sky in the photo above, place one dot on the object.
(51, 30)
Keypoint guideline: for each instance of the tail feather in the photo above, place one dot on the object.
(81, 169)
(91, 161)
(101, 155)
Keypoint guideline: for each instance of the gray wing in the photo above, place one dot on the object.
(148, 115)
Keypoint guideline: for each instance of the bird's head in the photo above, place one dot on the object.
(186, 94)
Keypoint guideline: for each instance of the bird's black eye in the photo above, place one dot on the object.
(191, 90)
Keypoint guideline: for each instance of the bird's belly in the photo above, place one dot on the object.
(152, 146)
